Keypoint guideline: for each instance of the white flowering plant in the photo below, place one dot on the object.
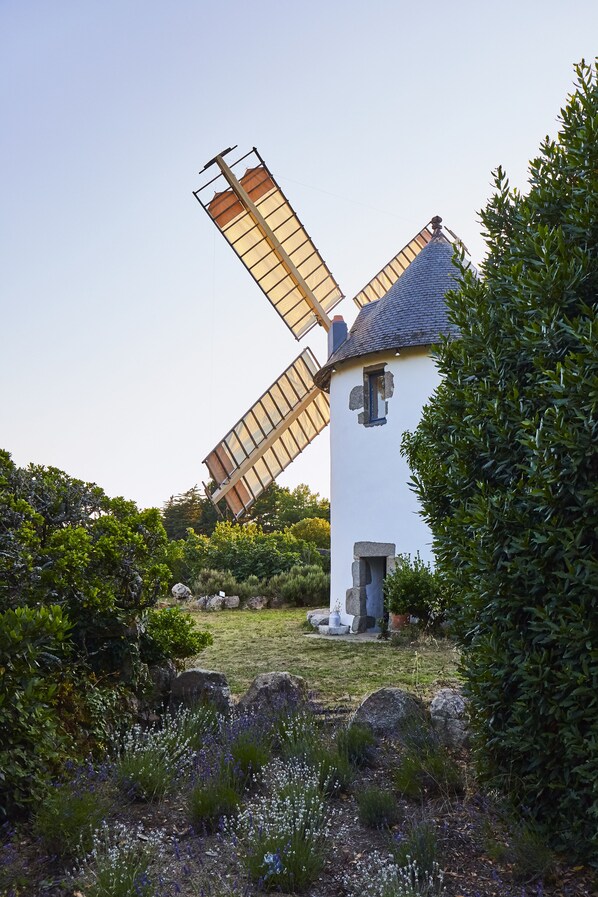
(120, 863)
(382, 877)
(282, 834)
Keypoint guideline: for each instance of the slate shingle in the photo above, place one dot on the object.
(412, 313)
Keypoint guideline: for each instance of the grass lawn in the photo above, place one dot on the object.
(250, 642)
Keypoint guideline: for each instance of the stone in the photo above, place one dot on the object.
(215, 602)
(448, 714)
(274, 691)
(374, 549)
(231, 602)
(258, 602)
(181, 592)
(162, 677)
(359, 624)
(198, 686)
(200, 603)
(334, 630)
(318, 617)
(389, 711)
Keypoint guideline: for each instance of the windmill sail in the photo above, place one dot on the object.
(384, 279)
(257, 220)
(287, 417)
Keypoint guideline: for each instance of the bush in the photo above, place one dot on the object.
(504, 462)
(244, 551)
(209, 802)
(377, 808)
(68, 815)
(120, 863)
(413, 588)
(356, 742)
(306, 586)
(418, 843)
(211, 582)
(312, 529)
(30, 639)
(152, 760)
(426, 767)
(172, 634)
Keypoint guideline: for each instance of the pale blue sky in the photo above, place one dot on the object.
(132, 338)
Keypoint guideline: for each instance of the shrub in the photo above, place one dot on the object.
(172, 634)
(120, 863)
(504, 462)
(380, 877)
(211, 582)
(312, 529)
(248, 753)
(30, 639)
(426, 767)
(417, 842)
(68, 815)
(377, 808)
(209, 802)
(413, 587)
(305, 586)
(356, 742)
(283, 833)
(152, 760)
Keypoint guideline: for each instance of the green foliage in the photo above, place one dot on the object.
(356, 742)
(244, 551)
(248, 754)
(210, 801)
(67, 817)
(426, 767)
(172, 634)
(278, 507)
(191, 509)
(30, 640)
(312, 529)
(418, 843)
(120, 864)
(152, 760)
(377, 807)
(303, 586)
(211, 582)
(414, 588)
(505, 464)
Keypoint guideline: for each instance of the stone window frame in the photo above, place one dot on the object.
(368, 372)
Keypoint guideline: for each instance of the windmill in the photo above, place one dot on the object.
(251, 211)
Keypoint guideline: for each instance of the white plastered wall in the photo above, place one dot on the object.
(370, 500)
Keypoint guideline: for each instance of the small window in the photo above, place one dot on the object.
(375, 392)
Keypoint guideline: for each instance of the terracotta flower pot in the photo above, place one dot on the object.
(398, 621)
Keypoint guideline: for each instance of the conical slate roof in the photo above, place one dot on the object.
(412, 313)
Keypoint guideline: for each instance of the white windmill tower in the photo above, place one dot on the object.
(378, 377)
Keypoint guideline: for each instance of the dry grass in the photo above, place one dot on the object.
(250, 642)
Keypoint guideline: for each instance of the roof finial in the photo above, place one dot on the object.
(436, 224)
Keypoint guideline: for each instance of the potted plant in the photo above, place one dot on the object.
(409, 589)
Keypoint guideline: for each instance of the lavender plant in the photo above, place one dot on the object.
(381, 877)
(153, 759)
(121, 863)
(283, 834)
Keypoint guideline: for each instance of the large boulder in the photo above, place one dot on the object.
(181, 592)
(199, 686)
(274, 691)
(448, 714)
(215, 602)
(258, 602)
(318, 616)
(231, 602)
(390, 712)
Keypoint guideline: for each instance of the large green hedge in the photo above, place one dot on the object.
(506, 465)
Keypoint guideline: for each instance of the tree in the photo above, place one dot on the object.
(189, 509)
(312, 529)
(505, 464)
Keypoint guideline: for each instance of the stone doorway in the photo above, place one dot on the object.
(365, 602)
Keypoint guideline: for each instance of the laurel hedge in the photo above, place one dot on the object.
(506, 466)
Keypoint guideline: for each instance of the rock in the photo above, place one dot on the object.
(448, 713)
(274, 691)
(215, 602)
(231, 602)
(162, 678)
(200, 603)
(389, 711)
(198, 686)
(181, 592)
(318, 617)
(259, 602)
